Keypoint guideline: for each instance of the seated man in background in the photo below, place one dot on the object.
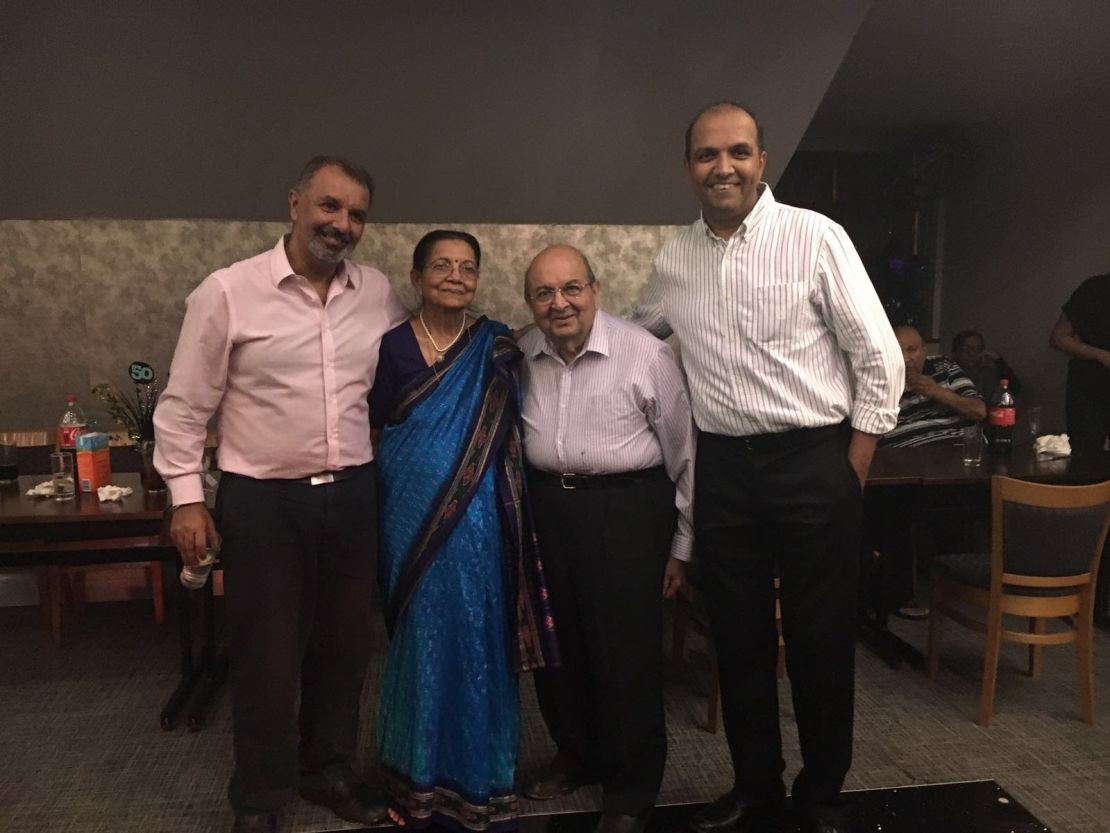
(984, 367)
(939, 399)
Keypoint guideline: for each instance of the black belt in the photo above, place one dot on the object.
(785, 440)
(619, 480)
(324, 477)
(321, 478)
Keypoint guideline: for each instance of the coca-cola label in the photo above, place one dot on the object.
(67, 435)
(1003, 417)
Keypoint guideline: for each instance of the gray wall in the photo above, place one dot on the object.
(1026, 226)
(522, 112)
(502, 113)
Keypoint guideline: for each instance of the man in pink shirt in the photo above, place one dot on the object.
(281, 349)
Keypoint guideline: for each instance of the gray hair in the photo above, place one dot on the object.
(356, 172)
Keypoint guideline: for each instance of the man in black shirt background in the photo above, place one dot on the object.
(1083, 332)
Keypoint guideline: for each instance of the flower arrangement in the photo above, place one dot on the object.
(135, 414)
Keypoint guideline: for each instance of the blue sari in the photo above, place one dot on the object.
(463, 588)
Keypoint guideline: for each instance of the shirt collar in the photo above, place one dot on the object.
(280, 269)
(762, 209)
(596, 342)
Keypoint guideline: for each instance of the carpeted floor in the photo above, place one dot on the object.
(81, 748)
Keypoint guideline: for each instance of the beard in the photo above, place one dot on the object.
(319, 247)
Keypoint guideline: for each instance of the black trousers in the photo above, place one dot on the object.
(797, 506)
(900, 522)
(604, 553)
(1088, 412)
(299, 564)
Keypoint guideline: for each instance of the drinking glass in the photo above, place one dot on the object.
(9, 459)
(61, 473)
(972, 436)
(1036, 421)
(152, 481)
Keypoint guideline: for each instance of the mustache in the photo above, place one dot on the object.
(334, 233)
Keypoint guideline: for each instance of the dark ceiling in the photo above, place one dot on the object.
(937, 63)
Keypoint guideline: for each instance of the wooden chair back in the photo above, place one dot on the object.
(1046, 547)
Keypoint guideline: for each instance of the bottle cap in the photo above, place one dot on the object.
(1004, 382)
(71, 397)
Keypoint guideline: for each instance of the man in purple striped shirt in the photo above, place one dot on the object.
(794, 374)
(609, 442)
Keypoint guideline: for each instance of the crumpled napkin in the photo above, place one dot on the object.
(1055, 444)
(113, 492)
(43, 489)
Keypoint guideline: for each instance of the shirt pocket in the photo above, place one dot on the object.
(777, 311)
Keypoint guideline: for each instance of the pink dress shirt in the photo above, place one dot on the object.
(285, 376)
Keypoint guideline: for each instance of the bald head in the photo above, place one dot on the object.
(719, 107)
(562, 291)
(913, 347)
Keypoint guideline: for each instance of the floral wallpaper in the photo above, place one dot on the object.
(81, 299)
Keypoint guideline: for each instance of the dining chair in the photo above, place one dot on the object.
(690, 611)
(1046, 544)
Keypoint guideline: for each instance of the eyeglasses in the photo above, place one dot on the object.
(442, 267)
(570, 291)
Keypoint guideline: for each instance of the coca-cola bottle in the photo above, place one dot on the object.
(1002, 416)
(70, 425)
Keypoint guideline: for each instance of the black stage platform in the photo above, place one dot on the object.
(966, 807)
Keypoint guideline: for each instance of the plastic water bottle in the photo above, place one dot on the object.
(70, 425)
(196, 577)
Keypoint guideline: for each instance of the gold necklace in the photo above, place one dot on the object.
(440, 351)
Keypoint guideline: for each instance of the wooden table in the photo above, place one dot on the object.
(44, 532)
(942, 465)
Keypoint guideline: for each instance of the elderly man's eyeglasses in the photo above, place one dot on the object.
(442, 267)
(570, 291)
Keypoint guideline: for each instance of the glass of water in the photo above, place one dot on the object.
(972, 436)
(61, 473)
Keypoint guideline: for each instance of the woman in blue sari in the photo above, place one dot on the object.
(461, 581)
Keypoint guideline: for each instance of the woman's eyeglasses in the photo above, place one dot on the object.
(442, 267)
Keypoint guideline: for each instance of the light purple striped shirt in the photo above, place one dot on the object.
(779, 325)
(620, 406)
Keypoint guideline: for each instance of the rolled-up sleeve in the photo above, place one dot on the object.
(197, 381)
(855, 315)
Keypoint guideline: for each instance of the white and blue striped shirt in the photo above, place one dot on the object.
(780, 327)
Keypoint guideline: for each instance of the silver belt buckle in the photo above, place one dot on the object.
(321, 479)
(563, 481)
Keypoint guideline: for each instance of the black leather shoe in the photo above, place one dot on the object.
(347, 797)
(255, 823)
(613, 823)
(732, 813)
(552, 780)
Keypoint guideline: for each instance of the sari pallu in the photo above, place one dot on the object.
(462, 585)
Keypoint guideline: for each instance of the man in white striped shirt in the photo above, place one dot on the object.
(609, 441)
(794, 373)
